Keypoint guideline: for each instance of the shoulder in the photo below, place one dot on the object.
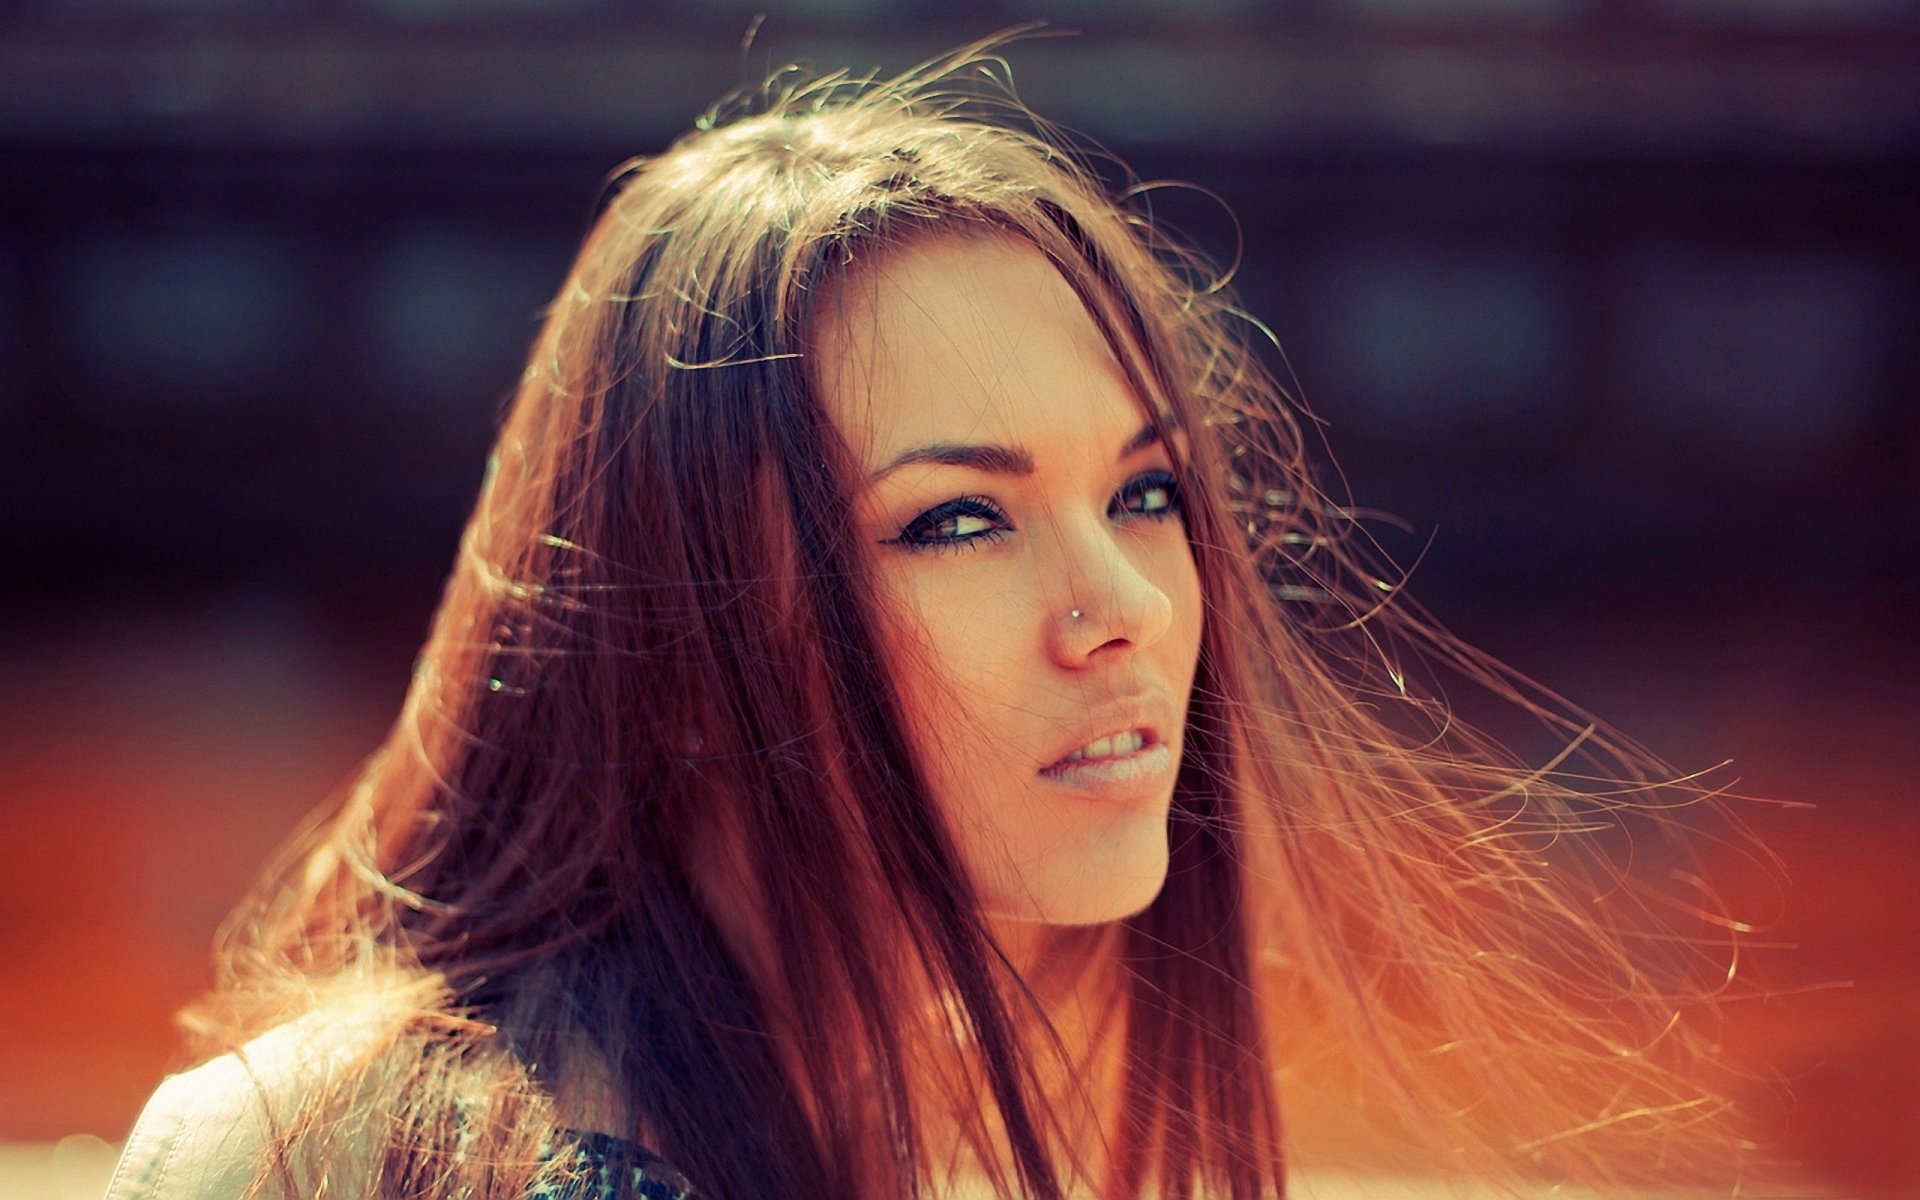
(206, 1132)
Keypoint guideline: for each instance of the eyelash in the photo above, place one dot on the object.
(915, 537)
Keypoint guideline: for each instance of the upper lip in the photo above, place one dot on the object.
(1144, 713)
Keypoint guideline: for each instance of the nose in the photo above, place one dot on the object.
(1110, 602)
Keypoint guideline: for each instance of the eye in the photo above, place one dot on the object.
(968, 521)
(1155, 494)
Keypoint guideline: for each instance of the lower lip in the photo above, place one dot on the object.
(1119, 776)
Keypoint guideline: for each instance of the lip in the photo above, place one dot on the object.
(1119, 774)
(1151, 737)
(1119, 777)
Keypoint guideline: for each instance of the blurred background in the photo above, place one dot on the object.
(1612, 302)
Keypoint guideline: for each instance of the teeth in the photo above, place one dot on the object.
(1110, 747)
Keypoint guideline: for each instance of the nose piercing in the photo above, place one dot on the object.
(1074, 615)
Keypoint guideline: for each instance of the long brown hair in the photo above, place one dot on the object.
(657, 639)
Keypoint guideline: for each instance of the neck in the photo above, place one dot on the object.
(1071, 971)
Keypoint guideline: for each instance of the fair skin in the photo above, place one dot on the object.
(1011, 480)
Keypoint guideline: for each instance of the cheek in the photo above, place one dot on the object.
(969, 668)
(1189, 612)
(957, 655)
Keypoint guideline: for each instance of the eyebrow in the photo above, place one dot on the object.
(995, 459)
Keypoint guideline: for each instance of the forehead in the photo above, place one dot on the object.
(958, 338)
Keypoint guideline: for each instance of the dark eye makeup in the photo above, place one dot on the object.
(970, 522)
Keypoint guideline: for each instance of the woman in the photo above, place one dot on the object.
(903, 717)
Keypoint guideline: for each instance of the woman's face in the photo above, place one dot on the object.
(1012, 481)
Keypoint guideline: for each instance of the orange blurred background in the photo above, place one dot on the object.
(1613, 302)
